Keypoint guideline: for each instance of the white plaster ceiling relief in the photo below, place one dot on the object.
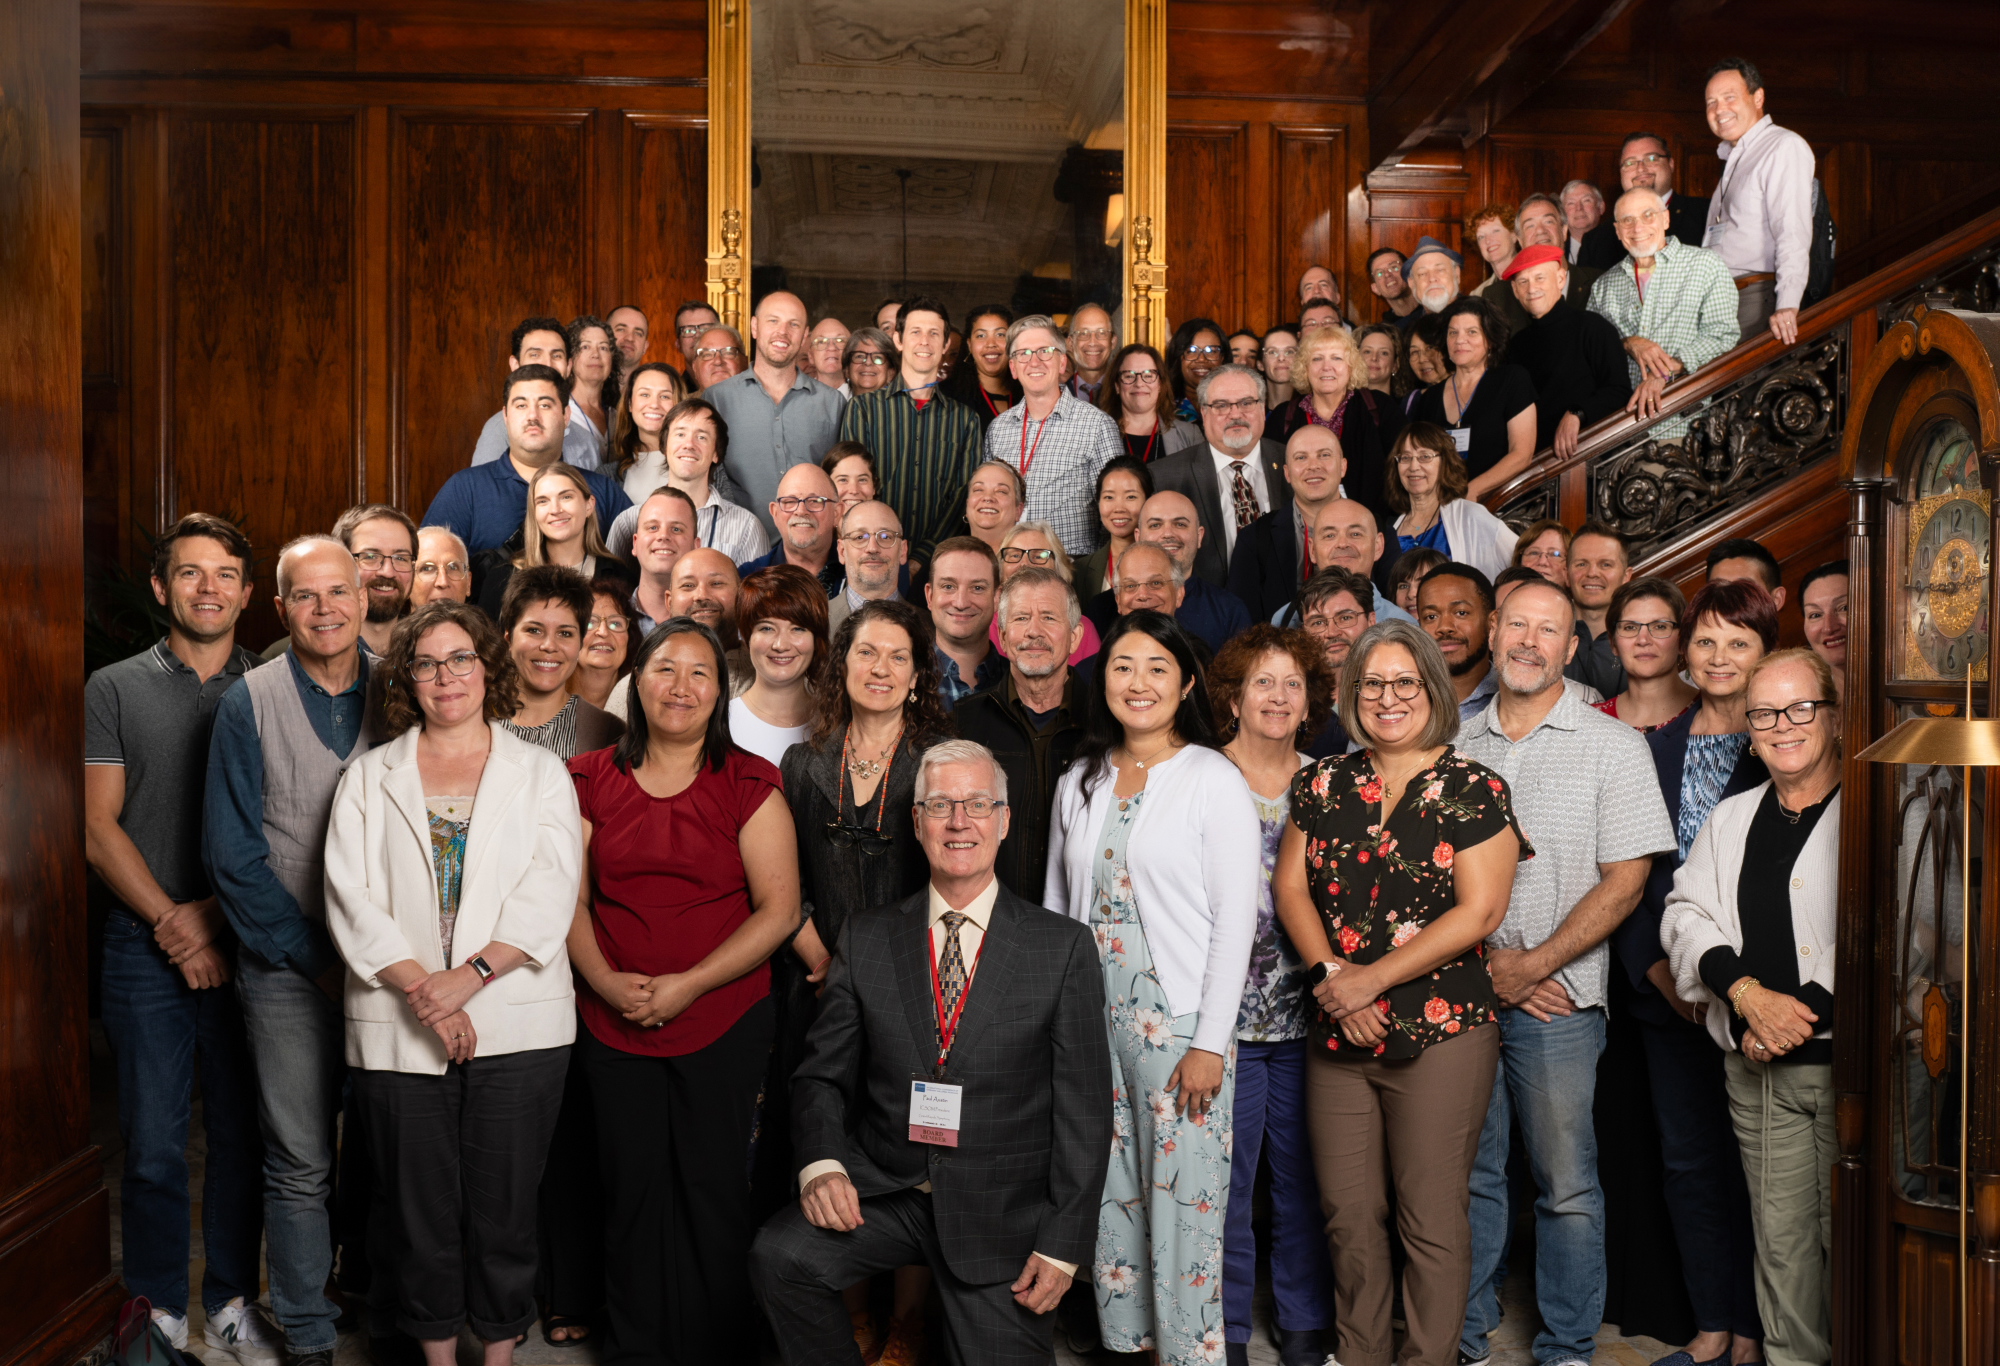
(878, 32)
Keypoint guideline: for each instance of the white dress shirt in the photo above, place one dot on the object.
(1253, 470)
(1760, 217)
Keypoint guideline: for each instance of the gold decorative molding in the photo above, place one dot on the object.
(728, 158)
(1146, 172)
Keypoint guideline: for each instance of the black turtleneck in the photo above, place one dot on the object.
(1577, 362)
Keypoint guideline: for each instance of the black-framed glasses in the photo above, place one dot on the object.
(1038, 353)
(1220, 406)
(460, 664)
(1650, 159)
(812, 502)
(870, 842)
(1799, 714)
(371, 559)
(1405, 688)
(978, 808)
(1014, 554)
(1659, 628)
(694, 329)
(873, 360)
(1132, 379)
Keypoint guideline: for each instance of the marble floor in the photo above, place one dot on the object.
(1510, 1342)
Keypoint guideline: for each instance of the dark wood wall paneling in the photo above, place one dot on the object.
(308, 233)
(56, 1287)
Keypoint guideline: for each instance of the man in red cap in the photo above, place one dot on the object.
(1572, 354)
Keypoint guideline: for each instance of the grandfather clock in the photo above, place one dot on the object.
(1918, 971)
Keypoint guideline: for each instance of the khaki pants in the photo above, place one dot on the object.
(1755, 303)
(1783, 1115)
(1427, 1114)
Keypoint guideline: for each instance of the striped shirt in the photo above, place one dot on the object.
(1063, 453)
(924, 458)
(1688, 310)
(556, 735)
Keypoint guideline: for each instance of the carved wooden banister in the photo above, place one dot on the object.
(1755, 416)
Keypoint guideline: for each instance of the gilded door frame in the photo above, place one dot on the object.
(1145, 272)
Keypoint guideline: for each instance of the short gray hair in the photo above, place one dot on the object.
(1201, 389)
(1443, 725)
(303, 543)
(1063, 566)
(464, 551)
(1173, 565)
(1034, 576)
(1584, 184)
(958, 752)
(1029, 324)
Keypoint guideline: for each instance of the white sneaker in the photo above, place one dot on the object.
(173, 1326)
(240, 1330)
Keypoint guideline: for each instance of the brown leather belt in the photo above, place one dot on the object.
(1745, 281)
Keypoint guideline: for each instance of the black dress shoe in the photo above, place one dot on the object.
(1237, 1354)
(1302, 1346)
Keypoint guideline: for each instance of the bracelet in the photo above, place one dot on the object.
(1736, 996)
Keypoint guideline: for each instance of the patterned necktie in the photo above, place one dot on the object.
(951, 970)
(1247, 510)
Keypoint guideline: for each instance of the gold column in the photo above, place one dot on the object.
(1146, 171)
(729, 158)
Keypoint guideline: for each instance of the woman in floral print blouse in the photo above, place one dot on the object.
(1398, 862)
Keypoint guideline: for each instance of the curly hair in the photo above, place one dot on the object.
(1236, 659)
(1452, 480)
(400, 710)
(925, 720)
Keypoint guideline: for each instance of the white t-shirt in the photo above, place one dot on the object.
(759, 736)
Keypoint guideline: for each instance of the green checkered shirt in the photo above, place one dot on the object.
(924, 458)
(1689, 310)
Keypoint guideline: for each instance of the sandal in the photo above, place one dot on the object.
(578, 1330)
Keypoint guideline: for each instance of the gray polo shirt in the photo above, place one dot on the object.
(1586, 793)
(151, 716)
(766, 438)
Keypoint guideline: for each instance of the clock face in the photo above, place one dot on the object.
(1950, 555)
(1949, 459)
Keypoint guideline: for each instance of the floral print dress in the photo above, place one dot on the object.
(1377, 885)
(1159, 1230)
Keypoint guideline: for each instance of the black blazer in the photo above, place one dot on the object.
(1191, 471)
(1033, 759)
(1600, 249)
(1687, 218)
(1264, 571)
(1031, 1052)
(1367, 432)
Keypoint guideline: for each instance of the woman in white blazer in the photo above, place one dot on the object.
(1749, 929)
(452, 862)
(1425, 481)
(1157, 845)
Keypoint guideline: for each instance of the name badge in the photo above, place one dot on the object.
(1461, 437)
(934, 1112)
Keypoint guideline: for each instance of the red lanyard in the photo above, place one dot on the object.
(987, 399)
(1152, 440)
(1027, 451)
(948, 1029)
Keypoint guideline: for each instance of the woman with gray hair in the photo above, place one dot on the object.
(1031, 544)
(1397, 863)
(869, 360)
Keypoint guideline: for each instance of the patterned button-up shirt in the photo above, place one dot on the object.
(924, 458)
(1688, 309)
(1063, 454)
(952, 684)
(1585, 792)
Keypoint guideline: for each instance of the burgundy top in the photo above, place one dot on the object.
(667, 888)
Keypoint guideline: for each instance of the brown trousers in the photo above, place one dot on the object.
(1419, 1121)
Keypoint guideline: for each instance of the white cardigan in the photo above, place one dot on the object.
(523, 860)
(1476, 536)
(1701, 911)
(1196, 858)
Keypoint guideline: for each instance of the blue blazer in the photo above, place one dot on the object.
(1637, 941)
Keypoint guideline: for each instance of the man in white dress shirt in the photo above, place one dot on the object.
(1235, 476)
(1760, 216)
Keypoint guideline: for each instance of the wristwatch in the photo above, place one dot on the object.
(480, 966)
(1318, 973)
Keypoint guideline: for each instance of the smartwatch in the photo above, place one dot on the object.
(1318, 973)
(480, 966)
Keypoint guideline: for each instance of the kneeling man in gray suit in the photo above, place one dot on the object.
(954, 1105)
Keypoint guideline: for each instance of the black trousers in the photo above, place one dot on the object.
(457, 1159)
(571, 1280)
(674, 1155)
(800, 1271)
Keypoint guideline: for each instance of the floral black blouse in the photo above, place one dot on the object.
(1375, 887)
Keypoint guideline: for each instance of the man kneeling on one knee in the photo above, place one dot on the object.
(954, 1105)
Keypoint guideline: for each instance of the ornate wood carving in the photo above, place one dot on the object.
(1146, 171)
(1532, 505)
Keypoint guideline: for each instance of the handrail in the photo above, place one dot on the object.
(1685, 398)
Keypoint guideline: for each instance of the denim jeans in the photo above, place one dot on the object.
(160, 1030)
(297, 1037)
(1547, 1082)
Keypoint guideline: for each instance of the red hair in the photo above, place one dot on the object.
(1740, 602)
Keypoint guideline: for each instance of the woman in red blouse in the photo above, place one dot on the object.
(690, 883)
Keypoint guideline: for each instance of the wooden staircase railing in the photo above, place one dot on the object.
(1762, 423)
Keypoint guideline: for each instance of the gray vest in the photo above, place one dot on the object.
(300, 777)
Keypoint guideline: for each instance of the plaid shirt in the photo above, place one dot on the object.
(952, 684)
(1065, 451)
(1689, 309)
(924, 458)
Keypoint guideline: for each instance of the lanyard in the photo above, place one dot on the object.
(1027, 451)
(1461, 401)
(948, 1029)
(987, 399)
(713, 518)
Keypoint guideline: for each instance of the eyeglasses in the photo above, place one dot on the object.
(712, 352)
(979, 808)
(369, 559)
(1659, 628)
(884, 537)
(870, 842)
(452, 568)
(1204, 350)
(1014, 554)
(1221, 407)
(870, 359)
(461, 664)
(1643, 216)
(1041, 353)
(1388, 273)
(1405, 688)
(812, 502)
(1650, 159)
(1418, 458)
(827, 343)
(1799, 714)
(1541, 557)
(1339, 620)
(617, 626)
(1132, 379)
(694, 329)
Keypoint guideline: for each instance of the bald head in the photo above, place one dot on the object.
(807, 528)
(1345, 537)
(1169, 520)
(704, 587)
(1640, 220)
(1314, 466)
(778, 330)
